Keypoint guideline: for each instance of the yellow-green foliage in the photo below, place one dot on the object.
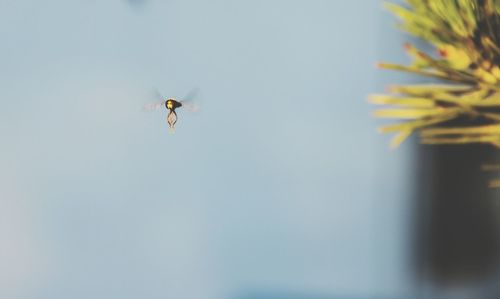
(465, 106)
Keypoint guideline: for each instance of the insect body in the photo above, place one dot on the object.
(171, 104)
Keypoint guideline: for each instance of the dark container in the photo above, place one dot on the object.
(456, 217)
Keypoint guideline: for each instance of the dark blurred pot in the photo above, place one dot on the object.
(457, 241)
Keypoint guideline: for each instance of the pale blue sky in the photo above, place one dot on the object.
(278, 184)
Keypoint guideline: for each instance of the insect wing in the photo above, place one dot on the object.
(189, 103)
(154, 106)
(157, 95)
(191, 95)
(190, 106)
(158, 100)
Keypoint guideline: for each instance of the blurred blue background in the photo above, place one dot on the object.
(279, 187)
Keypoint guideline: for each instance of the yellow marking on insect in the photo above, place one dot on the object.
(170, 105)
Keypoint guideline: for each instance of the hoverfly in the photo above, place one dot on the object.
(171, 104)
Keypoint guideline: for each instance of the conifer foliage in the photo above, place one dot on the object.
(461, 102)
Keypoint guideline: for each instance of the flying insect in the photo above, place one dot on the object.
(171, 104)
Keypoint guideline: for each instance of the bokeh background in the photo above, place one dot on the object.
(279, 187)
